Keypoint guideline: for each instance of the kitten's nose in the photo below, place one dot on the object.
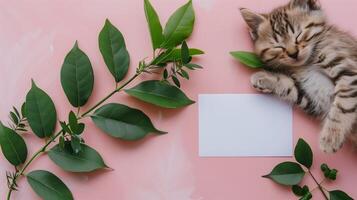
(294, 54)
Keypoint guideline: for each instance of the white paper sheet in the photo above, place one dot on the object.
(244, 125)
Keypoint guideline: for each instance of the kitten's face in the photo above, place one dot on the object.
(288, 35)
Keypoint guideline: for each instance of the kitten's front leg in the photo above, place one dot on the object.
(276, 84)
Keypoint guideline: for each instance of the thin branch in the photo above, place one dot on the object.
(318, 185)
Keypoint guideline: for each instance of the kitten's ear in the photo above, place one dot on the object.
(306, 4)
(253, 20)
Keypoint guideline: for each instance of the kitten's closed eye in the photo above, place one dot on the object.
(311, 31)
(270, 54)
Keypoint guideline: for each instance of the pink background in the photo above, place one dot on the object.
(36, 35)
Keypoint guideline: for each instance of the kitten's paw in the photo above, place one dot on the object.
(331, 140)
(263, 82)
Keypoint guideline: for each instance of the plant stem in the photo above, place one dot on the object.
(38, 153)
(109, 95)
(52, 139)
(318, 185)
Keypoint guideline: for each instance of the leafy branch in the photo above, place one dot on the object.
(69, 150)
(292, 173)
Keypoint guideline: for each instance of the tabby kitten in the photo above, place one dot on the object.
(310, 63)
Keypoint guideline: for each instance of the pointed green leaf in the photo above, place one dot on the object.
(73, 122)
(86, 160)
(303, 153)
(40, 112)
(48, 186)
(77, 77)
(160, 94)
(76, 144)
(123, 122)
(247, 58)
(113, 49)
(176, 81)
(179, 26)
(174, 55)
(165, 74)
(193, 66)
(23, 109)
(184, 74)
(154, 25)
(339, 195)
(286, 173)
(14, 118)
(13, 146)
(16, 112)
(185, 53)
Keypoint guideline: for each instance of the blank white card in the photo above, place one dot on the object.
(244, 125)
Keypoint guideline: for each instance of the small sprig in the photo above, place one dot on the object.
(181, 63)
(18, 119)
(292, 173)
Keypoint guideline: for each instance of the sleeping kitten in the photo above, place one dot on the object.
(310, 63)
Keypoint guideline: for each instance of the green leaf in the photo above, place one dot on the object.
(13, 146)
(184, 74)
(339, 195)
(193, 66)
(307, 196)
(79, 130)
(160, 94)
(40, 112)
(73, 122)
(113, 49)
(332, 175)
(303, 153)
(14, 118)
(61, 142)
(23, 109)
(324, 167)
(185, 53)
(76, 144)
(174, 55)
(179, 26)
(176, 81)
(154, 25)
(286, 173)
(165, 74)
(16, 112)
(247, 58)
(48, 186)
(77, 77)
(123, 122)
(86, 160)
(297, 190)
(300, 191)
(65, 128)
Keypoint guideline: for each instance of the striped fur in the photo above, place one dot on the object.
(309, 63)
